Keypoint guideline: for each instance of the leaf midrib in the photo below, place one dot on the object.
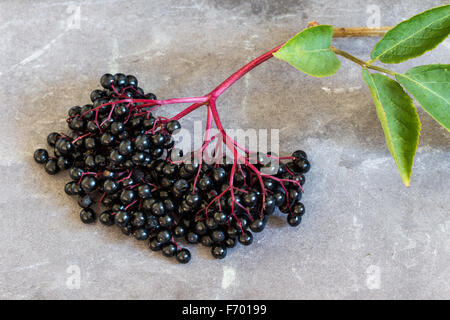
(401, 41)
(425, 87)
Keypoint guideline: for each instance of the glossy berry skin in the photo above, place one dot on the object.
(40, 156)
(84, 201)
(165, 221)
(141, 234)
(220, 217)
(63, 163)
(257, 225)
(200, 228)
(107, 80)
(192, 237)
(106, 218)
(230, 242)
(51, 167)
(52, 138)
(144, 191)
(219, 251)
(299, 154)
(218, 236)
(122, 218)
(154, 245)
(127, 229)
(87, 215)
(139, 219)
(302, 165)
(127, 196)
(164, 236)
(298, 209)
(142, 142)
(173, 126)
(110, 186)
(169, 250)
(294, 220)
(88, 184)
(158, 209)
(183, 256)
(245, 238)
(179, 231)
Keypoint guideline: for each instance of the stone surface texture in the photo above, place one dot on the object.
(364, 236)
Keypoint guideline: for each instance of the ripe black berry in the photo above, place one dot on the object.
(87, 215)
(41, 156)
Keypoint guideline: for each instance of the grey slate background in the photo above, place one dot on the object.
(364, 236)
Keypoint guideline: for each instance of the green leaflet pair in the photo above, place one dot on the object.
(311, 52)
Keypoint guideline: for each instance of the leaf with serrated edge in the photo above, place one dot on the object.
(398, 118)
(430, 86)
(414, 37)
(309, 51)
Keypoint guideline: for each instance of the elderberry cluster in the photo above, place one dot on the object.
(122, 169)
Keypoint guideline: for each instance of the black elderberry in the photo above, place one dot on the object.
(142, 142)
(116, 128)
(96, 94)
(122, 218)
(41, 156)
(257, 225)
(298, 209)
(165, 221)
(154, 245)
(158, 209)
(84, 201)
(141, 234)
(246, 238)
(127, 229)
(183, 256)
(64, 163)
(173, 126)
(115, 157)
(139, 219)
(205, 183)
(179, 231)
(87, 215)
(218, 236)
(294, 220)
(64, 146)
(107, 80)
(169, 249)
(192, 237)
(220, 217)
(52, 138)
(299, 154)
(74, 111)
(302, 165)
(200, 228)
(230, 242)
(219, 251)
(152, 222)
(88, 183)
(51, 166)
(127, 196)
(106, 218)
(132, 81)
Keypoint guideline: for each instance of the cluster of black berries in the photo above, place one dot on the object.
(120, 161)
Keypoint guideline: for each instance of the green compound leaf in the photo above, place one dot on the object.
(398, 118)
(430, 86)
(414, 37)
(309, 51)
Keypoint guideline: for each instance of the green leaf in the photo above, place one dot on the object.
(414, 37)
(309, 51)
(398, 118)
(430, 86)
